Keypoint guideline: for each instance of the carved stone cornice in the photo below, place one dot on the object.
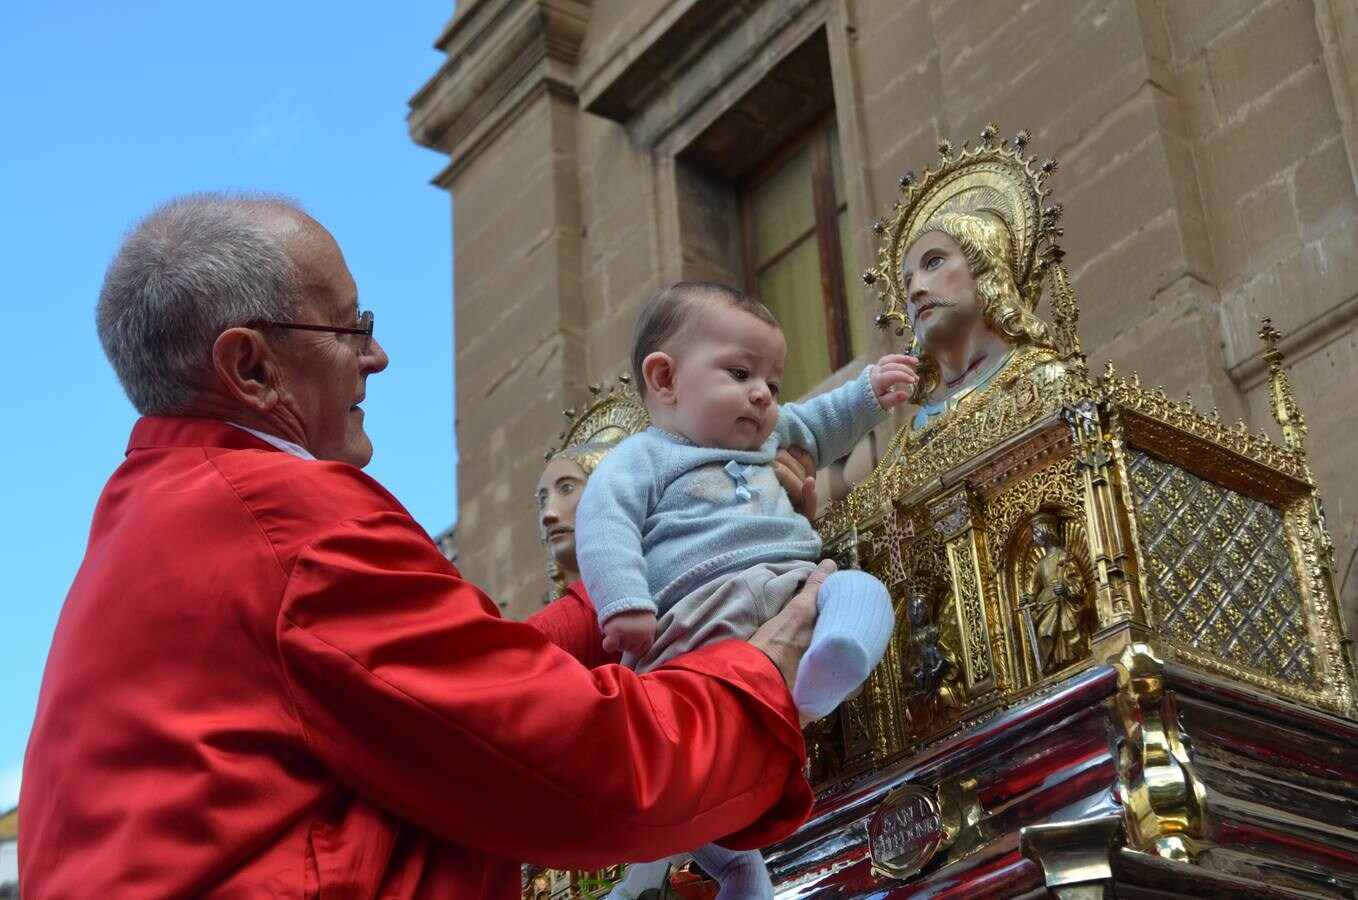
(623, 84)
(501, 53)
(693, 53)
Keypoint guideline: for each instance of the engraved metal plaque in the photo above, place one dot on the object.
(906, 831)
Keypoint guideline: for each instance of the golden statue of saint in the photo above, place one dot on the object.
(963, 261)
(1057, 599)
(963, 305)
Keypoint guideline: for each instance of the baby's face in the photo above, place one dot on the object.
(728, 367)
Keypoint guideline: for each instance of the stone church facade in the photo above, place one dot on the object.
(599, 151)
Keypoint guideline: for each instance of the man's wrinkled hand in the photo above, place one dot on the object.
(630, 632)
(785, 637)
(797, 474)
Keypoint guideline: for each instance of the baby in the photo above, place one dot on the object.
(684, 535)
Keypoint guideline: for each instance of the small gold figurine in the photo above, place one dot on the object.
(1057, 599)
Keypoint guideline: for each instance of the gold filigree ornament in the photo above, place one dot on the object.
(995, 180)
(614, 412)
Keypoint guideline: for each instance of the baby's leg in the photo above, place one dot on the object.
(741, 873)
(851, 634)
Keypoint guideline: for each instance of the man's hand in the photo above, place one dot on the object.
(797, 475)
(630, 632)
(785, 637)
(892, 370)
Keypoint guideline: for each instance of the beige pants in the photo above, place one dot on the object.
(732, 606)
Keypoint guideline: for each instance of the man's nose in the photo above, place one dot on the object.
(375, 360)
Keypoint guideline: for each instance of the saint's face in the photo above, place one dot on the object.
(727, 371)
(940, 291)
(558, 495)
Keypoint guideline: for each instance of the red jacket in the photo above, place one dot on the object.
(266, 681)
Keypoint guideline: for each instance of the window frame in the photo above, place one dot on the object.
(816, 138)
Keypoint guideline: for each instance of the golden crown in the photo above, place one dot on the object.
(995, 178)
(614, 412)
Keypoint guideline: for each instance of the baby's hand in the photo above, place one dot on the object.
(892, 370)
(630, 632)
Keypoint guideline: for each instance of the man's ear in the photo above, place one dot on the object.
(246, 369)
(657, 369)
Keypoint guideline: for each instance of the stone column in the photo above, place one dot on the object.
(503, 107)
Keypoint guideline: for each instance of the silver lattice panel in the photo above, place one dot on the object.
(1220, 576)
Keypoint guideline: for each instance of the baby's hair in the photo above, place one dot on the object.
(666, 312)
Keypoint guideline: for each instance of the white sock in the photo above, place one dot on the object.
(849, 640)
(741, 873)
(641, 877)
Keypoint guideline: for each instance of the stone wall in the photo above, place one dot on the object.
(1207, 155)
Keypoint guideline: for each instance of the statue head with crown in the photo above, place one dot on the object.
(558, 494)
(962, 268)
(612, 414)
(963, 304)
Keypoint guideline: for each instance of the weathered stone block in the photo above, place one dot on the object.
(1192, 89)
(1176, 345)
(1269, 228)
(612, 25)
(521, 327)
(1193, 226)
(1295, 292)
(894, 39)
(1271, 43)
(608, 342)
(1117, 287)
(1010, 70)
(1268, 138)
(1192, 26)
(1134, 181)
(1323, 274)
(1324, 191)
(1156, 42)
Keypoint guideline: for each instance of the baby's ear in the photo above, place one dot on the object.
(658, 371)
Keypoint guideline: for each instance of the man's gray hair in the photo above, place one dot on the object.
(194, 267)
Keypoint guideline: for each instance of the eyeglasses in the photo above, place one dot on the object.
(365, 328)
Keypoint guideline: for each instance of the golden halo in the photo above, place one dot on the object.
(612, 415)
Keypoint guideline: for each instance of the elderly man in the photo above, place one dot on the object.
(266, 681)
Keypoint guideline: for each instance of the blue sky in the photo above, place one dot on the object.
(109, 108)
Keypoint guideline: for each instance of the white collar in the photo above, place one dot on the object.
(296, 450)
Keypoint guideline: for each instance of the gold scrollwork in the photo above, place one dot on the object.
(1183, 418)
(964, 561)
(1160, 789)
(1032, 384)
